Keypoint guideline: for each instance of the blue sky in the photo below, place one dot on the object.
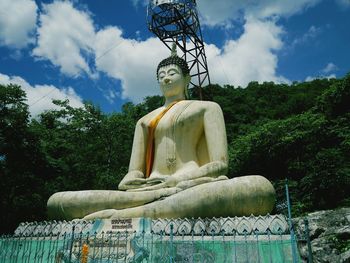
(102, 51)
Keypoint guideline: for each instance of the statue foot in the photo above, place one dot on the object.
(116, 214)
(130, 212)
(104, 214)
(203, 180)
(166, 192)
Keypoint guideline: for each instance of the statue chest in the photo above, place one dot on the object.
(176, 137)
(185, 121)
(183, 118)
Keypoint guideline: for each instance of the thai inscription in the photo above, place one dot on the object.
(121, 224)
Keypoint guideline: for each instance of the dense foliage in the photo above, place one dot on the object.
(299, 131)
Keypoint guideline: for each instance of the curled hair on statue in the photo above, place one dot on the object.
(181, 63)
(174, 59)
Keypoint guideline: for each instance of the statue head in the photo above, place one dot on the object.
(174, 69)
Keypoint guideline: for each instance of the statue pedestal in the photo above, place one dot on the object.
(238, 239)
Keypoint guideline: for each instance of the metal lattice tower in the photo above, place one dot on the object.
(176, 21)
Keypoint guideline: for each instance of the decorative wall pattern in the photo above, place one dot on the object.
(252, 225)
(262, 225)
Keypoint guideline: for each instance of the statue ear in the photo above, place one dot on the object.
(188, 79)
(187, 83)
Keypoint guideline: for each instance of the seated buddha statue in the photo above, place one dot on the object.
(177, 168)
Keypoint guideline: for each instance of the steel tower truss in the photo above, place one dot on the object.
(176, 21)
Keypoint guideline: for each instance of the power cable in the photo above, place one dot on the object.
(219, 57)
(103, 54)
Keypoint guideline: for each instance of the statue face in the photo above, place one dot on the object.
(172, 81)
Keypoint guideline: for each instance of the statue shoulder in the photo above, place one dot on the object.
(206, 105)
(149, 116)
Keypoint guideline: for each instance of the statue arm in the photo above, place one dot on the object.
(135, 177)
(215, 133)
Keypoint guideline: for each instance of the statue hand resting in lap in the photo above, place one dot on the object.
(177, 167)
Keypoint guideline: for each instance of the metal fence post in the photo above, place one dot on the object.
(71, 244)
(307, 233)
(171, 242)
(292, 237)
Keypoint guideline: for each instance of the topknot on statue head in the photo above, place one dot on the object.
(174, 59)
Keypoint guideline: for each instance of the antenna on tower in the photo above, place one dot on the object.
(176, 21)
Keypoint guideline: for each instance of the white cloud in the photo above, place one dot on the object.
(311, 78)
(111, 95)
(250, 58)
(344, 3)
(312, 33)
(131, 61)
(64, 36)
(136, 2)
(331, 67)
(267, 8)
(325, 73)
(223, 12)
(214, 13)
(39, 97)
(17, 22)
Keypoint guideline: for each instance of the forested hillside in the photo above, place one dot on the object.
(299, 131)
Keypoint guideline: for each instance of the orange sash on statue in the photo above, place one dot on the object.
(150, 140)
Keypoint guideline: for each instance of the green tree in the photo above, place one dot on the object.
(21, 181)
(311, 149)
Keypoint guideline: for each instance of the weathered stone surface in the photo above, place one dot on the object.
(329, 235)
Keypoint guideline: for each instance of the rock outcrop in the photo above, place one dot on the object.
(329, 233)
